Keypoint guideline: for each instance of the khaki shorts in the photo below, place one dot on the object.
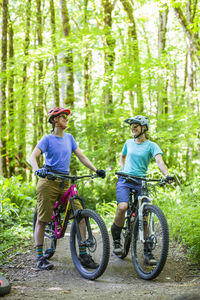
(48, 192)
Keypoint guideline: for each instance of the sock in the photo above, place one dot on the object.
(116, 231)
(82, 250)
(39, 250)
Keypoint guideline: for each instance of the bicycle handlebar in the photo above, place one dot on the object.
(161, 181)
(52, 175)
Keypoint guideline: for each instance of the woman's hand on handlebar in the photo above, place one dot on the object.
(101, 173)
(169, 179)
(41, 172)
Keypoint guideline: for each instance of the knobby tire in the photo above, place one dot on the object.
(161, 248)
(101, 248)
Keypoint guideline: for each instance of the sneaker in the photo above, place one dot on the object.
(117, 247)
(44, 264)
(149, 259)
(87, 261)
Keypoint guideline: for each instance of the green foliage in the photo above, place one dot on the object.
(107, 212)
(17, 202)
(182, 210)
(170, 100)
(98, 192)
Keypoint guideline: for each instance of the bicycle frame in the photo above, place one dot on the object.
(148, 234)
(143, 199)
(65, 200)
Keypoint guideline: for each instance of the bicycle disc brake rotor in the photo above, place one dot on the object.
(91, 244)
(153, 242)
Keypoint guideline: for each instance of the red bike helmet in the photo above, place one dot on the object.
(56, 111)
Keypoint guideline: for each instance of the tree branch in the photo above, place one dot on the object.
(193, 40)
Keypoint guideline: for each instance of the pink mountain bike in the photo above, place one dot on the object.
(95, 239)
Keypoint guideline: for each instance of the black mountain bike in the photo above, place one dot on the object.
(145, 228)
(95, 237)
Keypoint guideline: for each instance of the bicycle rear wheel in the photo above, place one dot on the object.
(96, 241)
(156, 242)
(50, 241)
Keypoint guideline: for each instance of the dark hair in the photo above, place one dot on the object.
(146, 134)
(53, 127)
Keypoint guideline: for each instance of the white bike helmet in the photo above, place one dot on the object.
(138, 120)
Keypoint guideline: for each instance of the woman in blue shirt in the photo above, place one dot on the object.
(57, 148)
(134, 160)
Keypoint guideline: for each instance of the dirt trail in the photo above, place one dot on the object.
(178, 279)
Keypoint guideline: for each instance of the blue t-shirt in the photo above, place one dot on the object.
(58, 151)
(138, 156)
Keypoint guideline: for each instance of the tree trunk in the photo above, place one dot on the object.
(109, 55)
(190, 88)
(150, 76)
(11, 106)
(162, 100)
(109, 60)
(55, 62)
(135, 50)
(194, 39)
(24, 98)
(69, 64)
(40, 104)
(68, 59)
(87, 58)
(3, 165)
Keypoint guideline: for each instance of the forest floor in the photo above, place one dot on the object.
(180, 279)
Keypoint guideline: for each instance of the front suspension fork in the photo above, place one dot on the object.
(81, 242)
(142, 201)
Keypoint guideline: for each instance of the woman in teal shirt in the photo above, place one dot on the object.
(134, 160)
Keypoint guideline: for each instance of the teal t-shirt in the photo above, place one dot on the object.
(138, 156)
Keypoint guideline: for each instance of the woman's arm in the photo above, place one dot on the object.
(122, 160)
(161, 164)
(84, 160)
(33, 159)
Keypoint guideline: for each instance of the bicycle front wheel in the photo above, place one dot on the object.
(95, 241)
(149, 257)
(50, 241)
